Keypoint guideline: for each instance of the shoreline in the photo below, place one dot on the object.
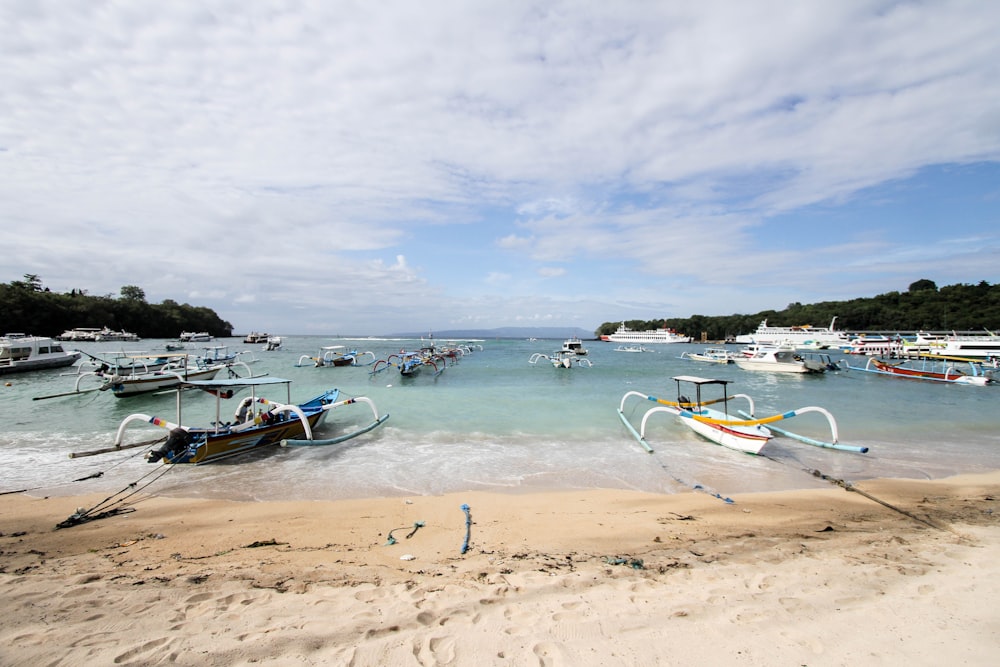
(825, 576)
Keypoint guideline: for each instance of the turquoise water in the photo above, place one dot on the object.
(495, 422)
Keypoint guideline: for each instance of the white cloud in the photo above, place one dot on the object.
(229, 152)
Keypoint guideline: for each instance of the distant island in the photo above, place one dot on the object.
(560, 333)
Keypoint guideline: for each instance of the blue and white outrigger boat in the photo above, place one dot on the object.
(748, 434)
(258, 422)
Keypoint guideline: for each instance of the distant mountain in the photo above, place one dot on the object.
(502, 332)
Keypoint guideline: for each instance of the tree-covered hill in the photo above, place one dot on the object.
(923, 306)
(28, 307)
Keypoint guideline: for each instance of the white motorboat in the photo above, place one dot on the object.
(712, 355)
(779, 358)
(19, 352)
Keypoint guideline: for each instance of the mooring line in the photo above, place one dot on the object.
(848, 486)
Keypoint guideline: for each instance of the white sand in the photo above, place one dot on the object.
(822, 577)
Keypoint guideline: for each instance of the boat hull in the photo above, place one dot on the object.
(748, 439)
(134, 386)
(39, 364)
(211, 447)
(773, 366)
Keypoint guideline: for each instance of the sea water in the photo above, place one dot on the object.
(494, 422)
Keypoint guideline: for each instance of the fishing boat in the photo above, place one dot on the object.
(712, 355)
(574, 346)
(748, 434)
(181, 368)
(137, 374)
(411, 364)
(560, 359)
(804, 336)
(330, 356)
(951, 370)
(258, 422)
(661, 335)
(19, 353)
(631, 348)
(273, 343)
(256, 337)
(779, 358)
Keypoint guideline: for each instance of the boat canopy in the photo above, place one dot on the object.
(236, 382)
(697, 380)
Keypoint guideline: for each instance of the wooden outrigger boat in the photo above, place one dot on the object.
(934, 368)
(137, 374)
(330, 356)
(410, 364)
(560, 359)
(747, 435)
(258, 422)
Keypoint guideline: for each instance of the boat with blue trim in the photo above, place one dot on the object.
(258, 422)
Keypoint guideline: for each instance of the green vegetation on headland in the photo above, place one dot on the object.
(922, 307)
(28, 307)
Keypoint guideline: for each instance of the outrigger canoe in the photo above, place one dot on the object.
(748, 434)
(258, 422)
(954, 370)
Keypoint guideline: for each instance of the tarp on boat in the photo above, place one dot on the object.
(263, 380)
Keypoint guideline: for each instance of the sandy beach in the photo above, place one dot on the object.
(902, 571)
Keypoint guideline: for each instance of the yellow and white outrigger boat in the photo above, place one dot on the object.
(748, 434)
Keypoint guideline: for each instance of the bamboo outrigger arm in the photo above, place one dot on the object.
(309, 441)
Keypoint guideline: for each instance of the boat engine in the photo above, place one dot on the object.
(177, 443)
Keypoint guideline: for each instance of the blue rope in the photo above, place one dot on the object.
(468, 527)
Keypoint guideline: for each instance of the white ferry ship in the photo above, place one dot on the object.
(806, 336)
(626, 335)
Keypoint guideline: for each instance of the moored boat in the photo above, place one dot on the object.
(560, 359)
(574, 346)
(330, 356)
(712, 355)
(195, 337)
(19, 353)
(748, 435)
(256, 337)
(951, 370)
(258, 422)
(779, 358)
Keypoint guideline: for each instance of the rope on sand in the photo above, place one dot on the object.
(847, 486)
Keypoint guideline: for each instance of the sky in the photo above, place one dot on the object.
(336, 167)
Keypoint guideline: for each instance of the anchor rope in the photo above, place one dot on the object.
(111, 502)
(848, 486)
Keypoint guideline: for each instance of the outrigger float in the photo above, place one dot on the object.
(258, 422)
(747, 435)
